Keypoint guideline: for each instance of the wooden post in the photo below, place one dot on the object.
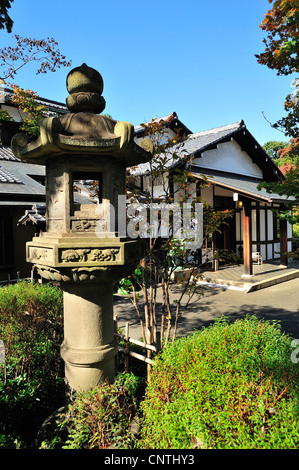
(283, 228)
(247, 245)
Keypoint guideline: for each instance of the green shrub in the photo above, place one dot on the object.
(32, 378)
(226, 386)
(31, 326)
(102, 417)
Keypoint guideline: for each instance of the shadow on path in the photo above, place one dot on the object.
(279, 303)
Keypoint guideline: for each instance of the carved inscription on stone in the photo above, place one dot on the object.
(83, 225)
(40, 254)
(74, 255)
(105, 255)
(97, 255)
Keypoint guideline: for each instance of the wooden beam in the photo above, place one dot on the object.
(247, 242)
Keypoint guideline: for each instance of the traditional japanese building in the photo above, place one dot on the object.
(234, 163)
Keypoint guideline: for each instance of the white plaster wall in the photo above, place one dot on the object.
(222, 192)
(17, 114)
(276, 254)
(238, 227)
(264, 252)
(270, 251)
(270, 224)
(207, 195)
(230, 158)
(159, 190)
(253, 226)
(289, 230)
(262, 226)
(176, 189)
(192, 190)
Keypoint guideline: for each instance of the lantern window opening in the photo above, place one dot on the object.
(89, 184)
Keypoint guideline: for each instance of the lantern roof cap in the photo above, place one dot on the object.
(83, 131)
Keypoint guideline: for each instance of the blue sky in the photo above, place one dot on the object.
(193, 57)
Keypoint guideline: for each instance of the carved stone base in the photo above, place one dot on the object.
(69, 259)
(72, 252)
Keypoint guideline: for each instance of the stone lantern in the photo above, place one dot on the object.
(81, 247)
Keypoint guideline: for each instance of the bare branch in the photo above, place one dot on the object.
(43, 51)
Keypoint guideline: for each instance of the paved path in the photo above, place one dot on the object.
(277, 302)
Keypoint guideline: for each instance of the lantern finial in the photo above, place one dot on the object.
(85, 86)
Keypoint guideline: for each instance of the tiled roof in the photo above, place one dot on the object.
(35, 215)
(170, 119)
(244, 185)
(195, 143)
(6, 154)
(7, 177)
(140, 127)
(19, 178)
(201, 140)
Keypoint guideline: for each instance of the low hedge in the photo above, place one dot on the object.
(227, 386)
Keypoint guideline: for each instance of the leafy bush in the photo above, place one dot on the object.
(226, 386)
(102, 417)
(32, 378)
(31, 326)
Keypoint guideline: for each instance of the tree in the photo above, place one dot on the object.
(272, 148)
(43, 52)
(26, 100)
(282, 54)
(5, 20)
(281, 44)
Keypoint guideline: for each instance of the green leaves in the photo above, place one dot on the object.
(230, 385)
(102, 417)
(5, 20)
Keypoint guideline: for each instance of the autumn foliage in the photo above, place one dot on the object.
(281, 44)
(281, 53)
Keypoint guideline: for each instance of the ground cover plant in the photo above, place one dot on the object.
(101, 418)
(32, 377)
(227, 386)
